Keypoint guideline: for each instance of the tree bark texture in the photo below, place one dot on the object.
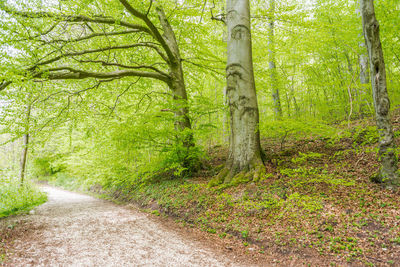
(271, 65)
(388, 158)
(25, 145)
(177, 85)
(364, 80)
(245, 154)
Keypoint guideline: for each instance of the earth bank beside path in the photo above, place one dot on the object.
(72, 229)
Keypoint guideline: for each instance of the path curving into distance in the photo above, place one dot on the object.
(77, 230)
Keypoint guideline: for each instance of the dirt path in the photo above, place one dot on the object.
(77, 230)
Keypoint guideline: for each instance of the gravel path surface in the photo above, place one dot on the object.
(77, 230)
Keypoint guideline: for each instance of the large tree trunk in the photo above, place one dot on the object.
(272, 66)
(388, 172)
(245, 156)
(25, 145)
(177, 85)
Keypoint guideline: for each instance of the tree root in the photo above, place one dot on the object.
(390, 183)
(227, 176)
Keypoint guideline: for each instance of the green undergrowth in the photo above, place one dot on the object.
(325, 208)
(317, 198)
(315, 195)
(15, 199)
(64, 180)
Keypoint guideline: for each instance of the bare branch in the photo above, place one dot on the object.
(210, 68)
(4, 84)
(218, 17)
(120, 95)
(85, 52)
(86, 37)
(104, 63)
(155, 32)
(67, 73)
(72, 18)
(148, 10)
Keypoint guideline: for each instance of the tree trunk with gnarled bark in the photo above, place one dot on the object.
(177, 85)
(245, 155)
(388, 172)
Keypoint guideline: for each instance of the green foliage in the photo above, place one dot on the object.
(47, 165)
(286, 129)
(303, 176)
(396, 240)
(306, 157)
(15, 199)
(365, 135)
(122, 134)
(305, 202)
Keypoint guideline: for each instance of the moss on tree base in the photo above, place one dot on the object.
(228, 176)
(391, 183)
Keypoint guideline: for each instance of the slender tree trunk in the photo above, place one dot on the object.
(272, 66)
(364, 80)
(363, 61)
(245, 156)
(296, 107)
(388, 172)
(25, 145)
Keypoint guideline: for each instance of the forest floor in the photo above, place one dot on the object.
(78, 230)
(315, 207)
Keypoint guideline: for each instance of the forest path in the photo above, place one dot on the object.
(72, 229)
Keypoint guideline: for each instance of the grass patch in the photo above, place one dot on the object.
(15, 199)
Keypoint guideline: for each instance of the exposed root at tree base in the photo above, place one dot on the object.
(228, 176)
(388, 182)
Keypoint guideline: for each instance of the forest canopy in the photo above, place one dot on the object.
(273, 122)
(123, 92)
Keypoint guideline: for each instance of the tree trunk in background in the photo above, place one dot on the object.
(245, 156)
(272, 66)
(363, 60)
(364, 80)
(388, 172)
(25, 145)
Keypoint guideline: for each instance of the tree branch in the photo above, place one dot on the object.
(86, 37)
(72, 18)
(67, 73)
(84, 52)
(104, 63)
(4, 84)
(155, 32)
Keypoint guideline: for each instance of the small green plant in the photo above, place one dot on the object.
(211, 231)
(15, 198)
(155, 212)
(396, 240)
(365, 135)
(306, 157)
(222, 235)
(245, 233)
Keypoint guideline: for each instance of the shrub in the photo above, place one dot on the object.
(15, 198)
